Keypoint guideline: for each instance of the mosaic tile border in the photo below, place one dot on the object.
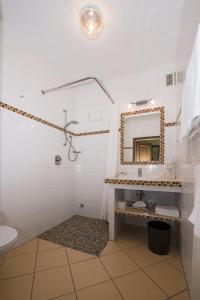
(92, 132)
(170, 124)
(162, 136)
(45, 122)
(42, 121)
(175, 183)
(32, 117)
(148, 216)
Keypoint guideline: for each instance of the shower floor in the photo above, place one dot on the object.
(80, 233)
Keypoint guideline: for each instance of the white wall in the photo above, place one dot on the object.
(145, 85)
(35, 194)
(90, 168)
(187, 152)
(185, 171)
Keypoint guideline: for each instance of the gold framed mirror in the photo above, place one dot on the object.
(142, 137)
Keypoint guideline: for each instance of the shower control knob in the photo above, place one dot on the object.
(58, 160)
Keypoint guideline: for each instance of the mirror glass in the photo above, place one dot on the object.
(141, 138)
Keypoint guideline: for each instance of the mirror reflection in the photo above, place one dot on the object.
(142, 137)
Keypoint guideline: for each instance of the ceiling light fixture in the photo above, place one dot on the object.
(91, 21)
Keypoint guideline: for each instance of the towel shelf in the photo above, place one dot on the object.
(147, 215)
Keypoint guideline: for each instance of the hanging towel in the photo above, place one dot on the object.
(195, 215)
(190, 110)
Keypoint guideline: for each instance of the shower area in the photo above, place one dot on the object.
(85, 144)
(86, 140)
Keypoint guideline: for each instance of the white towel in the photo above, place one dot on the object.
(195, 215)
(167, 210)
(139, 204)
(190, 110)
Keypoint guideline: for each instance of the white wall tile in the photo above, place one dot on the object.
(35, 194)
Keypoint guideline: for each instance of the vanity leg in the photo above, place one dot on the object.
(111, 213)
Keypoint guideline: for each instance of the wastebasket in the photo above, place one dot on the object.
(159, 237)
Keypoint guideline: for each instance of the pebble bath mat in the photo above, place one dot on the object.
(80, 233)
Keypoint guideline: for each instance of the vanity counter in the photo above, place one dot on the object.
(116, 186)
(145, 182)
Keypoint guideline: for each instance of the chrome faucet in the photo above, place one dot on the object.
(139, 172)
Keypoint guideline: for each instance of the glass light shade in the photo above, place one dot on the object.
(91, 22)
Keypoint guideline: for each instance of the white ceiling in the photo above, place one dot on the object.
(138, 35)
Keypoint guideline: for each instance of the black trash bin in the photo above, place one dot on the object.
(159, 237)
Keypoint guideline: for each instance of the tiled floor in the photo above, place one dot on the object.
(126, 269)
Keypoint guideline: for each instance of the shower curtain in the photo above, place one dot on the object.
(195, 215)
(112, 159)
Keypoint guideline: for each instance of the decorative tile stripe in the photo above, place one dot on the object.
(147, 215)
(32, 117)
(162, 136)
(92, 132)
(40, 120)
(170, 124)
(37, 119)
(174, 183)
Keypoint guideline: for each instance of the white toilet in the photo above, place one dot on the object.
(8, 236)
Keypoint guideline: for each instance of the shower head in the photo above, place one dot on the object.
(71, 122)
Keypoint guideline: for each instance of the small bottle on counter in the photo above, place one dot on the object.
(121, 204)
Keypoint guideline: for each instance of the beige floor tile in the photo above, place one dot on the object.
(78, 256)
(18, 265)
(52, 283)
(170, 280)
(141, 235)
(118, 263)
(182, 296)
(136, 231)
(143, 256)
(172, 253)
(111, 247)
(70, 296)
(50, 259)
(131, 228)
(87, 273)
(102, 291)
(1, 260)
(176, 261)
(127, 241)
(18, 288)
(45, 245)
(138, 286)
(29, 247)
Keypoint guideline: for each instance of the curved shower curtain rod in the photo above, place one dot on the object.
(101, 85)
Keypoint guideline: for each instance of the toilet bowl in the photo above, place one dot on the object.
(8, 236)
